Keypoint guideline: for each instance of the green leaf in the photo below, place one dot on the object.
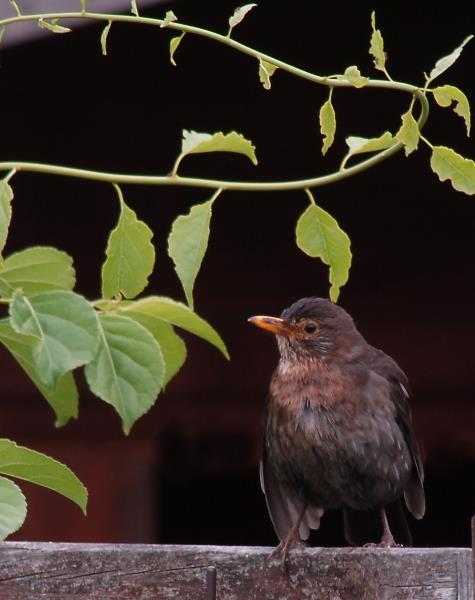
(239, 15)
(133, 8)
(446, 94)
(194, 143)
(6, 197)
(447, 164)
(170, 17)
(376, 48)
(12, 508)
(130, 256)
(2, 32)
(352, 75)
(174, 42)
(37, 269)
(172, 346)
(104, 34)
(52, 26)
(266, 70)
(187, 244)
(65, 327)
(63, 399)
(408, 133)
(447, 61)
(359, 145)
(83, 6)
(327, 124)
(177, 314)
(35, 467)
(319, 235)
(128, 370)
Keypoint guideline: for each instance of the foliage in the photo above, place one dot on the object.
(128, 343)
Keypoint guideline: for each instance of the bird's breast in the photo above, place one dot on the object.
(333, 445)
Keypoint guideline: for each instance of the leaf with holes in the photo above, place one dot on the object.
(196, 143)
(327, 124)
(408, 133)
(65, 327)
(12, 508)
(445, 95)
(37, 269)
(359, 145)
(177, 314)
(35, 467)
(376, 48)
(460, 171)
(128, 370)
(187, 244)
(130, 256)
(319, 235)
(63, 399)
(352, 75)
(170, 17)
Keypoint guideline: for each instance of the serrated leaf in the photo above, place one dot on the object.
(128, 370)
(65, 327)
(327, 120)
(169, 18)
(446, 94)
(319, 235)
(133, 8)
(187, 244)
(408, 133)
(177, 314)
(266, 70)
(460, 171)
(359, 145)
(239, 15)
(63, 399)
(447, 61)
(352, 75)
(376, 48)
(37, 269)
(174, 42)
(172, 346)
(12, 508)
(6, 197)
(195, 143)
(104, 34)
(52, 26)
(130, 256)
(35, 467)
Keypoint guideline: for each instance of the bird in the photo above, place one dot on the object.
(337, 433)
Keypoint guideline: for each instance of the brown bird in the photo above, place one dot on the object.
(338, 431)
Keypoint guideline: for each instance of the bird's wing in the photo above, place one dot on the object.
(399, 392)
(285, 507)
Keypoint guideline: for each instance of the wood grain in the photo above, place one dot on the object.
(30, 570)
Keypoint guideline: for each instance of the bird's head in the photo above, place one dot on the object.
(312, 328)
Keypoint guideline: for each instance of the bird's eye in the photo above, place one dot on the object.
(310, 327)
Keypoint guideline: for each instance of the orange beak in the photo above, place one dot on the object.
(272, 324)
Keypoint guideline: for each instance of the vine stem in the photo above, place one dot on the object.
(175, 180)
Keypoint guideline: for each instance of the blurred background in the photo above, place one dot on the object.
(188, 471)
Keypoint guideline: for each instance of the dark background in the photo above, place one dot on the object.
(188, 471)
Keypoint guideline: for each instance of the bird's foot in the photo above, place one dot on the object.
(283, 549)
(387, 541)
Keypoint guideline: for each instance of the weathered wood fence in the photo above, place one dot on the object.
(30, 570)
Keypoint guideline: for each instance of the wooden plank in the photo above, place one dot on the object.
(30, 570)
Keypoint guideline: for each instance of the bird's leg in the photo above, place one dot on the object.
(292, 538)
(387, 539)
